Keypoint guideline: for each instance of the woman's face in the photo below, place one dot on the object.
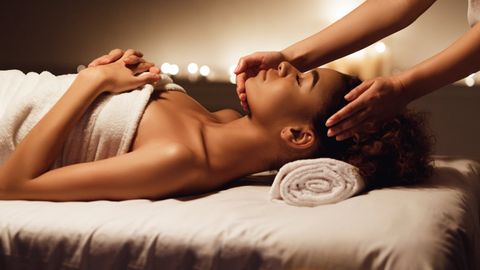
(287, 94)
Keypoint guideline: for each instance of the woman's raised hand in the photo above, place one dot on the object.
(248, 66)
(120, 71)
(370, 103)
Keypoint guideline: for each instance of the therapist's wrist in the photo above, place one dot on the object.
(406, 82)
(294, 57)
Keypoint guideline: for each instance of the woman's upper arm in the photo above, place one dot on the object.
(145, 173)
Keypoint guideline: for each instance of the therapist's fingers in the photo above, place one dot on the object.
(367, 126)
(349, 123)
(240, 81)
(347, 134)
(357, 91)
(248, 61)
(347, 111)
(242, 95)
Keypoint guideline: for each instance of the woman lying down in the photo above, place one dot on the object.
(89, 136)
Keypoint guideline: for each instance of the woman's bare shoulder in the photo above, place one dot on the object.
(227, 115)
(170, 152)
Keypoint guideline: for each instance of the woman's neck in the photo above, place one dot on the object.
(238, 148)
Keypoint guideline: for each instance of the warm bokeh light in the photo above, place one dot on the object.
(174, 69)
(380, 47)
(165, 68)
(80, 68)
(233, 78)
(357, 55)
(470, 80)
(204, 70)
(192, 68)
(231, 69)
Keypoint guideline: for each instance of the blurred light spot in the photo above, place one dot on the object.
(174, 69)
(380, 47)
(340, 9)
(233, 78)
(470, 80)
(204, 70)
(357, 55)
(80, 68)
(231, 69)
(192, 68)
(165, 68)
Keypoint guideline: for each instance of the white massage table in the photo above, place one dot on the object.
(434, 225)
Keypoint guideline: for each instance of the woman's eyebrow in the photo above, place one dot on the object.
(315, 77)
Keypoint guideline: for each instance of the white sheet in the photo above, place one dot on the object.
(430, 226)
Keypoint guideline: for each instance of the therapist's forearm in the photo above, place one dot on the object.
(459, 60)
(370, 22)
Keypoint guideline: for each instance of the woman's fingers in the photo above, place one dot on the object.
(148, 77)
(133, 60)
(111, 57)
(114, 55)
(142, 67)
(133, 52)
(154, 70)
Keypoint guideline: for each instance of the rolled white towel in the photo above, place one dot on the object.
(313, 182)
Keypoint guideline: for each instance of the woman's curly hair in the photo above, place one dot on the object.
(395, 153)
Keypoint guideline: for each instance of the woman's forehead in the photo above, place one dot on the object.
(329, 80)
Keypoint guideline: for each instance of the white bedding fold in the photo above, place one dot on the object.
(313, 182)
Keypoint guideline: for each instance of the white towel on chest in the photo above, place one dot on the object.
(105, 130)
(313, 182)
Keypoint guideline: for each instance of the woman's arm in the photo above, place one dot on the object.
(371, 21)
(34, 155)
(154, 172)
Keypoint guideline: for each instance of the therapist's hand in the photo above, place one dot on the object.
(249, 66)
(370, 103)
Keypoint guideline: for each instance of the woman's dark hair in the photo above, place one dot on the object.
(395, 153)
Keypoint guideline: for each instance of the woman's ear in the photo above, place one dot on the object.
(298, 137)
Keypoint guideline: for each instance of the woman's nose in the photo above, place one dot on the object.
(284, 68)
